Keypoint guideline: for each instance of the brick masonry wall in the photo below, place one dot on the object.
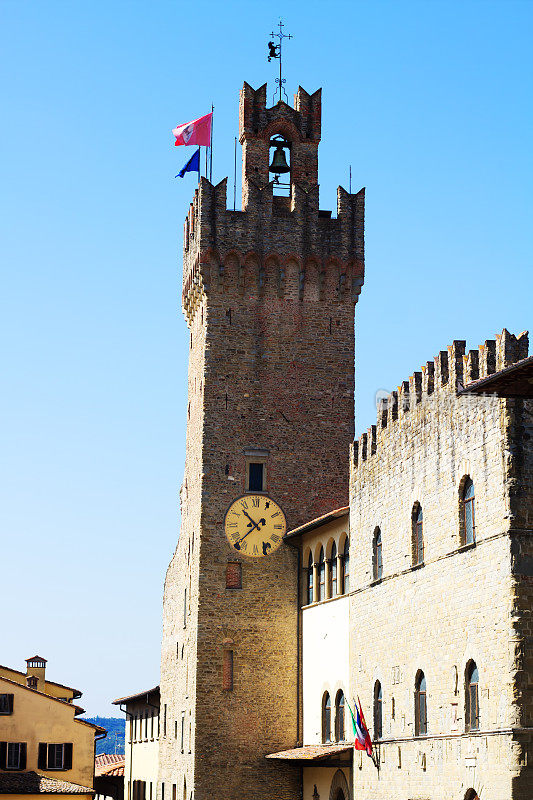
(460, 605)
(269, 296)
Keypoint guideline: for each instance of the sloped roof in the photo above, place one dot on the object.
(75, 692)
(77, 709)
(513, 381)
(109, 764)
(318, 522)
(33, 783)
(138, 696)
(312, 752)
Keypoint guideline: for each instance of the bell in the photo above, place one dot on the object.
(279, 162)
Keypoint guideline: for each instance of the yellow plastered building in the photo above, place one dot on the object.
(44, 748)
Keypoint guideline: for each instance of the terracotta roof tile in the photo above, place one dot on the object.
(32, 783)
(107, 763)
(311, 752)
(112, 770)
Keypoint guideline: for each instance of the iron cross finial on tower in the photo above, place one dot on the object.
(274, 51)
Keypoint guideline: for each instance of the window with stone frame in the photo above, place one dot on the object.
(417, 549)
(339, 717)
(326, 718)
(310, 579)
(421, 719)
(333, 571)
(467, 512)
(378, 710)
(321, 575)
(346, 567)
(377, 556)
(472, 697)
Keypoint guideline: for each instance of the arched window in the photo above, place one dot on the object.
(321, 575)
(378, 711)
(421, 718)
(471, 795)
(333, 571)
(326, 718)
(418, 535)
(339, 717)
(377, 556)
(310, 579)
(468, 511)
(472, 697)
(346, 567)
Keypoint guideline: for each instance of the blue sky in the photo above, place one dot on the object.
(430, 102)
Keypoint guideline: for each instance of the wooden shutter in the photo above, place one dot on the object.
(67, 755)
(3, 755)
(10, 703)
(23, 751)
(42, 760)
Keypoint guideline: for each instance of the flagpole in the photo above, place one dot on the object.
(235, 177)
(211, 149)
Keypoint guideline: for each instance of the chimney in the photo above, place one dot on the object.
(35, 670)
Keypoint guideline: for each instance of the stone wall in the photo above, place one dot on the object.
(269, 296)
(460, 604)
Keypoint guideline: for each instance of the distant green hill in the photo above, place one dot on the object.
(114, 741)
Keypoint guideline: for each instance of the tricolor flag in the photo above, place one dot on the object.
(196, 132)
(360, 731)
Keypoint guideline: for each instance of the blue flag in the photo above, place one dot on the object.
(192, 165)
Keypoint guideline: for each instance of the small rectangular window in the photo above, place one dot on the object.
(59, 756)
(13, 755)
(6, 703)
(233, 575)
(255, 476)
(227, 671)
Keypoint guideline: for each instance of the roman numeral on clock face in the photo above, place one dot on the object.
(275, 537)
(255, 502)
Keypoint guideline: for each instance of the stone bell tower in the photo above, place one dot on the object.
(269, 295)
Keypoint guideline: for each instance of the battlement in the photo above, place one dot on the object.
(450, 371)
(278, 245)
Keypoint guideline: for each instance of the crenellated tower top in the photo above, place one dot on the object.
(277, 244)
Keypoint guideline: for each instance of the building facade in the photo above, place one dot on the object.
(406, 576)
(428, 623)
(141, 751)
(44, 747)
(269, 295)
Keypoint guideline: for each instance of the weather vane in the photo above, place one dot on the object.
(274, 51)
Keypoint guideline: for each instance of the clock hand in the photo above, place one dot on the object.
(251, 520)
(237, 544)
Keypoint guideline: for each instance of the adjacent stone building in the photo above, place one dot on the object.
(406, 576)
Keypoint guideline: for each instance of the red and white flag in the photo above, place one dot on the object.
(197, 132)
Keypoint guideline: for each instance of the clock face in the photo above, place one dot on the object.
(255, 525)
